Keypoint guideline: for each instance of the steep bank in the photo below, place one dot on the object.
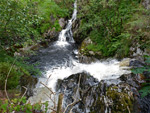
(115, 29)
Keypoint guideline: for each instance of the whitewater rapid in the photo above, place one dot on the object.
(60, 60)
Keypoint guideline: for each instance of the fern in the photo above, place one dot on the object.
(145, 90)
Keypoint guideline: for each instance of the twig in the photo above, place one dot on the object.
(49, 97)
(72, 104)
(48, 78)
(128, 109)
(5, 87)
(53, 109)
(48, 88)
(23, 94)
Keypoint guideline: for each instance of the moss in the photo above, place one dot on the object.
(99, 106)
(119, 100)
(122, 101)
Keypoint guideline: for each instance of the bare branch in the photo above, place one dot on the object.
(128, 109)
(23, 94)
(48, 88)
(5, 87)
(50, 98)
(48, 78)
(53, 109)
(70, 105)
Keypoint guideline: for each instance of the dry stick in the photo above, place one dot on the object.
(75, 100)
(48, 88)
(23, 94)
(128, 109)
(53, 109)
(55, 101)
(48, 78)
(5, 87)
(51, 100)
(49, 97)
(72, 104)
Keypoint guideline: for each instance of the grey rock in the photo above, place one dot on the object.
(62, 22)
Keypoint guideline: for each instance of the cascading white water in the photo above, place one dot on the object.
(67, 32)
(59, 62)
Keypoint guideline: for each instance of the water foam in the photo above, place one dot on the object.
(100, 70)
(66, 35)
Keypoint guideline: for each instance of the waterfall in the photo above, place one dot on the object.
(59, 61)
(66, 34)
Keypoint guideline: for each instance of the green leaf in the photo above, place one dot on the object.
(4, 107)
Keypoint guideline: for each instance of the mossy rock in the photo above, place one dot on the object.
(122, 100)
(118, 99)
(84, 49)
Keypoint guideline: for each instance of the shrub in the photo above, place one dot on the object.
(14, 76)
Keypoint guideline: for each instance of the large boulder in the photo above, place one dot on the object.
(88, 56)
(117, 96)
(51, 35)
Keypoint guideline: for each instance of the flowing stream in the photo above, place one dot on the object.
(60, 60)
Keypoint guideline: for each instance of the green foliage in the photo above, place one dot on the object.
(20, 68)
(20, 105)
(14, 76)
(22, 20)
(104, 22)
(145, 90)
(146, 68)
(17, 20)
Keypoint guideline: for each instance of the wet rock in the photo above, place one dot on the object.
(75, 25)
(62, 22)
(52, 35)
(136, 63)
(145, 104)
(85, 43)
(69, 87)
(146, 4)
(116, 96)
(125, 62)
(29, 82)
(88, 54)
(86, 59)
(132, 79)
(76, 32)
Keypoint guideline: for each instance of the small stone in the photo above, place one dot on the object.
(91, 53)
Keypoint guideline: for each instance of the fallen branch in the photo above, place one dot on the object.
(5, 87)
